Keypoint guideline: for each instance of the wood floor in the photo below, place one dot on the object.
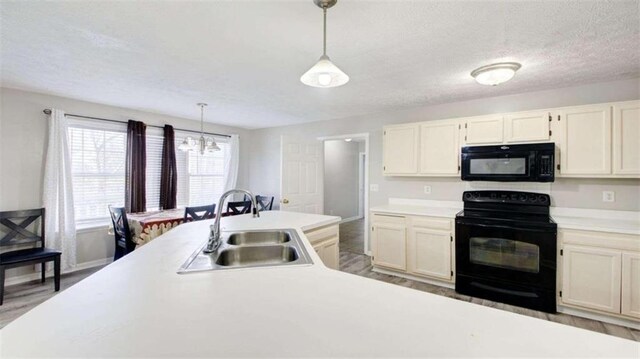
(21, 298)
(354, 261)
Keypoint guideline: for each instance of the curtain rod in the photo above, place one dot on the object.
(48, 112)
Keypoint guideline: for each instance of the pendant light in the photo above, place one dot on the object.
(324, 73)
(495, 74)
(203, 144)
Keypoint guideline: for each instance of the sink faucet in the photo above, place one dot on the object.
(214, 236)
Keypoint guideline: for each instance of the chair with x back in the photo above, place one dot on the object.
(124, 243)
(240, 207)
(15, 230)
(199, 213)
(264, 203)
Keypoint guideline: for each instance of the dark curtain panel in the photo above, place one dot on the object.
(169, 175)
(135, 199)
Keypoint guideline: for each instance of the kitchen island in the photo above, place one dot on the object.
(139, 306)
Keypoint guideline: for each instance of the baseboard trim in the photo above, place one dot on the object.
(416, 278)
(629, 323)
(351, 219)
(49, 274)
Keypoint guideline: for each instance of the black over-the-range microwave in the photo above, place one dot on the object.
(509, 163)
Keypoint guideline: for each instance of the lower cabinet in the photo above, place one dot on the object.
(416, 245)
(600, 272)
(326, 243)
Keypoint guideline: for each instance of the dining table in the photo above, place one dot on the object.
(146, 226)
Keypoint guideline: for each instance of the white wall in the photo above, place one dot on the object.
(341, 178)
(23, 129)
(583, 193)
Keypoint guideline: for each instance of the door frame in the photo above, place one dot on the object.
(359, 136)
(362, 157)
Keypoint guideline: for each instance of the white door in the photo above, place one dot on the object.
(301, 176)
(439, 148)
(591, 278)
(631, 284)
(390, 246)
(526, 127)
(585, 146)
(400, 149)
(430, 253)
(483, 130)
(626, 138)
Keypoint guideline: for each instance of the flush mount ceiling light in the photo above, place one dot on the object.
(495, 74)
(203, 144)
(324, 73)
(348, 139)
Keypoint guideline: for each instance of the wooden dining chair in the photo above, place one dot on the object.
(264, 203)
(240, 207)
(17, 223)
(198, 213)
(124, 242)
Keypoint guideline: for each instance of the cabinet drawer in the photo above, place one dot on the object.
(322, 234)
(388, 218)
(443, 224)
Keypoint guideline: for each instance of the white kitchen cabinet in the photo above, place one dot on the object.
(626, 138)
(389, 238)
(440, 148)
(430, 253)
(326, 243)
(591, 278)
(484, 130)
(631, 284)
(527, 127)
(400, 149)
(585, 144)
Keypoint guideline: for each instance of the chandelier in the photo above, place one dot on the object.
(203, 144)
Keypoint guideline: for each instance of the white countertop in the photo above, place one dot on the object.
(139, 306)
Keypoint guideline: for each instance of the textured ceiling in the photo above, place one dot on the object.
(245, 58)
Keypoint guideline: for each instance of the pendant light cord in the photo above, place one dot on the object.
(201, 120)
(324, 37)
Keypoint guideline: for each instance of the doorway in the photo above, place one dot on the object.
(345, 188)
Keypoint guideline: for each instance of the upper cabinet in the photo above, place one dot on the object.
(483, 130)
(585, 145)
(400, 147)
(439, 148)
(527, 127)
(626, 138)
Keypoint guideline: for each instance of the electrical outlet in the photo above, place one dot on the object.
(427, 189)
(608, 196)
(374, 188)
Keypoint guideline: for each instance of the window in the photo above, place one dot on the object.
(154, 140)
(98, 168)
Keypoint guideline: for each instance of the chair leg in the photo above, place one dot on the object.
(56, 273)
(42, 270)
(1, 284)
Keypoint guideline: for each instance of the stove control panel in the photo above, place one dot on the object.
(510, 197)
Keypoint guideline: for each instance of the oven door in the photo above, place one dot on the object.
(519, 254)
(499, 166)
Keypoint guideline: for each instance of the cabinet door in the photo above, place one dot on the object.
(331, 254)
(430, 253)
(483, 130)
(626, 138)
(585, 147)
(631, 284)
(390, 249)
(439, 148)
(591, 278)
(400, 149)
(526, 127)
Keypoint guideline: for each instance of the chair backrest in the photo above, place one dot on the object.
(198, 213)
(18, 222)
(241, 207)
(121, 228)
(265, 203)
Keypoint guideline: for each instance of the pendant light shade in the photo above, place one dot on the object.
(324, 74)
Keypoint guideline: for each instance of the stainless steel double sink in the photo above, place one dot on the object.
(247, 249)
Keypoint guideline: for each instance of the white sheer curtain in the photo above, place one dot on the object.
(231, 163)
(60, 228)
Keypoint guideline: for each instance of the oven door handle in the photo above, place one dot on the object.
(542, 230)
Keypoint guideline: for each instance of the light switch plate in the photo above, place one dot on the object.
(374, 188)
(427, 189)
(608, 196)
